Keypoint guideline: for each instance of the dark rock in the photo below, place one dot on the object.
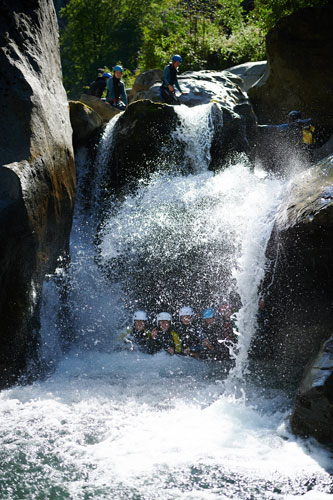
(143, 142)
(313, 411)
(299, 72)
(37, 174)
(297, 290)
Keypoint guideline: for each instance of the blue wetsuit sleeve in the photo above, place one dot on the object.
(166, 76)
(109, 88)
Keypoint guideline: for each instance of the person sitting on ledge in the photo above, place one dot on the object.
(116, 93)
(98, 86)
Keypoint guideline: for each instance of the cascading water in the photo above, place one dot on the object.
(110, 424)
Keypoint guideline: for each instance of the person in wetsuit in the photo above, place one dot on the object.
(116, 93)
(170, 81)
(216, 336)
(139, 335)
(164, 337)
(98, 86)
(188, 332)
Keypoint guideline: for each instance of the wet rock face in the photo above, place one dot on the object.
(299, 72)
(143, 142)
(313, 411)
(37, 175)
(297, 316)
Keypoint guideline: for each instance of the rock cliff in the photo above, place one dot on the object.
(299, 71)
(296, 315)
(37, 174)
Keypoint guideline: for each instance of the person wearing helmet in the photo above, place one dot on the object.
(213, 337)
(139, 334)
(164, 336)
(188, 332)
(170, 81)
(116, 93)
(98, 86)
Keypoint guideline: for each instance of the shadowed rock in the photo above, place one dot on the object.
(37, 175)
(297, 291)
(313, 414)
(299, 71)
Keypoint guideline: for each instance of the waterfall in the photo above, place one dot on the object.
(113, 423)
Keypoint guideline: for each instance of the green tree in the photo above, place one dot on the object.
(269, 12)
(99, 33)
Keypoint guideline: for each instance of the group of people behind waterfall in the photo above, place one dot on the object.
(211, 337)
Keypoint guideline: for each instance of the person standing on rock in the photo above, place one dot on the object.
(170, 81)
(116, 93)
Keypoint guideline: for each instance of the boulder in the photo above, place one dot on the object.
(297, 292)
(232, 116)
(202, 87)
(313, 411)
(142, 142)
(37, 174)
(144, 81)
(101, 107)
(249, 72)
(299, 69)
(85, 122)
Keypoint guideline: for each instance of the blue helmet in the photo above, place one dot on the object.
(209, 313)
(106, 75)
(294, 115)
(177, 58)
(118, 68)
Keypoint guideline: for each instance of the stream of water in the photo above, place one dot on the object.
(108, 423)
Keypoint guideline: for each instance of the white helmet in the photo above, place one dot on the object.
(164, 316)
(186, 311)
(140, 316)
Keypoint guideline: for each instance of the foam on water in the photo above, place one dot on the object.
(130, 425)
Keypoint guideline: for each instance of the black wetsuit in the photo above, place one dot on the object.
(190, 336)
(97, 87)
(167, 339)
(216, 337)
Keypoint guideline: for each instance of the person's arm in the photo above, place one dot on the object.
(177, 85)
(166, 76)
(109, 88)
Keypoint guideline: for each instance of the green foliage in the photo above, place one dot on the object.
(99, 33)
(194, 28)
(269, 12)
(209, 34)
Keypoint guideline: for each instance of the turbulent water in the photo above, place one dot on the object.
(116, 424)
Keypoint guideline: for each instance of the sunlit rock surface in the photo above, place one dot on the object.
(299, 71)
(85, 122)
(249, 72)
(202, 87)
(313, 413)
(144, 81)
(37, 175)
(296, 314)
